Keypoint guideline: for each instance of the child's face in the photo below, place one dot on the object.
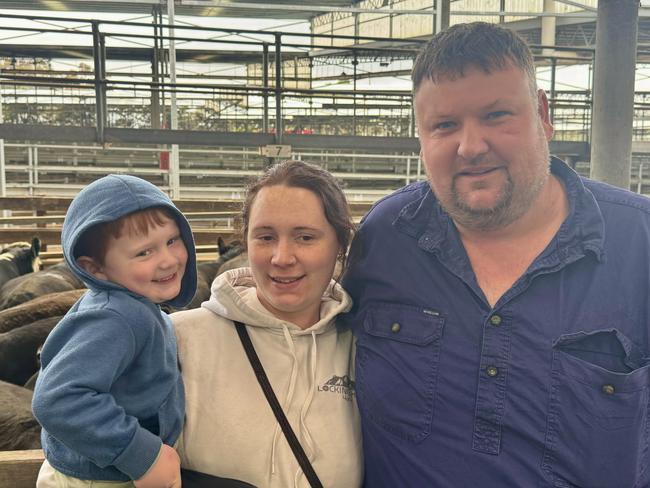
(150, 265)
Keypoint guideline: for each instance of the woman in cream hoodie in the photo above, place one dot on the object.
(297, 226)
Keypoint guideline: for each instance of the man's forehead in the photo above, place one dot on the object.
(454, 73)
(441, 78)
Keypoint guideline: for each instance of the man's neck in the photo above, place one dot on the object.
(499, 257)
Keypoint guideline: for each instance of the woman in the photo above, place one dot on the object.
(296, 225)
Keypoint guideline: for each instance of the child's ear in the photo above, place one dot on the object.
(91, 266)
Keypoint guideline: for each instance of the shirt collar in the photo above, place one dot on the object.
(582, 231)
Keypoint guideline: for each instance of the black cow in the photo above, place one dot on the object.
(18, 427)
(209, 270)
(19, 347)
(27, 287)
(18, 259)
(50, 305)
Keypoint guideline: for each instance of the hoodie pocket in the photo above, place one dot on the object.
(597, 424)
(401, 346)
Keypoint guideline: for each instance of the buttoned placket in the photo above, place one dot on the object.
(492, 381)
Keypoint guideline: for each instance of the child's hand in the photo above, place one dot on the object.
(165, 473)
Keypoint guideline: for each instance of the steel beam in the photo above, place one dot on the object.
(99, 53)
(22, 132)
(265, 84)
(613, 110)
(174, 159)
(278, 88)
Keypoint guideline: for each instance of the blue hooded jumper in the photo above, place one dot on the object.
(109, 391)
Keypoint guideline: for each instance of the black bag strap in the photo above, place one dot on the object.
(263, 380)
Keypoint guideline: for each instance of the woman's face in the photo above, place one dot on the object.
(292, 251)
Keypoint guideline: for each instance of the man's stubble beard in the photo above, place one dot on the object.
(513, 201)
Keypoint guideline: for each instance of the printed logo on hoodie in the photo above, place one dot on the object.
(340, 385)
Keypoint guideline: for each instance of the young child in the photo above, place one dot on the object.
(109, 395)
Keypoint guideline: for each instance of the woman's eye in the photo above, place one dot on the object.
(172, 241)
(306, 238)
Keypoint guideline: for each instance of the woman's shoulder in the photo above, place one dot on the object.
(193, 318)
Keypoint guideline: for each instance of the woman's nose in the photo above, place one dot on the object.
(283, 253)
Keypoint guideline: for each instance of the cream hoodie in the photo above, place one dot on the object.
(230, 429)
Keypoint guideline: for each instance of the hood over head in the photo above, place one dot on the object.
(110, 198)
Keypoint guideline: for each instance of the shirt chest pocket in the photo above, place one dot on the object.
(598, 425)
(400, 345)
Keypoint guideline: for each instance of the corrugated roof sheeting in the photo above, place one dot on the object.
(145, 6)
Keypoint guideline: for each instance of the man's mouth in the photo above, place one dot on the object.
(477, 171)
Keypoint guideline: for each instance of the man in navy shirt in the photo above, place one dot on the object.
(501, 307)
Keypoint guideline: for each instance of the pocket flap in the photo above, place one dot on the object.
(404, 323)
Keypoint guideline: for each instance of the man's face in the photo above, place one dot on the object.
(484, 143)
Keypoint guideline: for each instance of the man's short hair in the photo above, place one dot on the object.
(478, 44)
(94, 241)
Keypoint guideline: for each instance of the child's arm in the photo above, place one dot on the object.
(166, 471)
(82, 359)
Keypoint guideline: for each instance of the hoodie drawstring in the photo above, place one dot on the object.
(289, 397)
(308, 445)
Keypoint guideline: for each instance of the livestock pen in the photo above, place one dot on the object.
(19, 469)
(210, 219)
(42, 217)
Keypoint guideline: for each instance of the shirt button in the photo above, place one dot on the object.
(495, 320)
(608, 389)
(395, 327)
(492, 371)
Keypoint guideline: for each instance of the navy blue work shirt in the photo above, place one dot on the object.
(547, 388)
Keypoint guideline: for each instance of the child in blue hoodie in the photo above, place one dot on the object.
(109, 395)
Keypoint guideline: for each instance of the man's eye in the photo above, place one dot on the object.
(265, 238)
(444, 125)
(497, 114)
(306, 237)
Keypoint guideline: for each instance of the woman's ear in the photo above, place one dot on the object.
(91, 266)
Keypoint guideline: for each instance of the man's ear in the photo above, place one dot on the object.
(544, 113)
(91, 266)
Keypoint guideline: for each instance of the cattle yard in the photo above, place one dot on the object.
(27, 217)
(42, 217)
(18, 467)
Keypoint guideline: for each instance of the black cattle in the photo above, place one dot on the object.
(18, 427)
(19, 348)
(50, 305)
(207, 272)
(27, 287)
(18, 259)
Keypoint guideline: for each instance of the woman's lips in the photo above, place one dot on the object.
(286, 281)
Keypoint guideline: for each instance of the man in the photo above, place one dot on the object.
(501, 307)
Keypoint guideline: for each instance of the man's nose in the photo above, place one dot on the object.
(473, 141)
